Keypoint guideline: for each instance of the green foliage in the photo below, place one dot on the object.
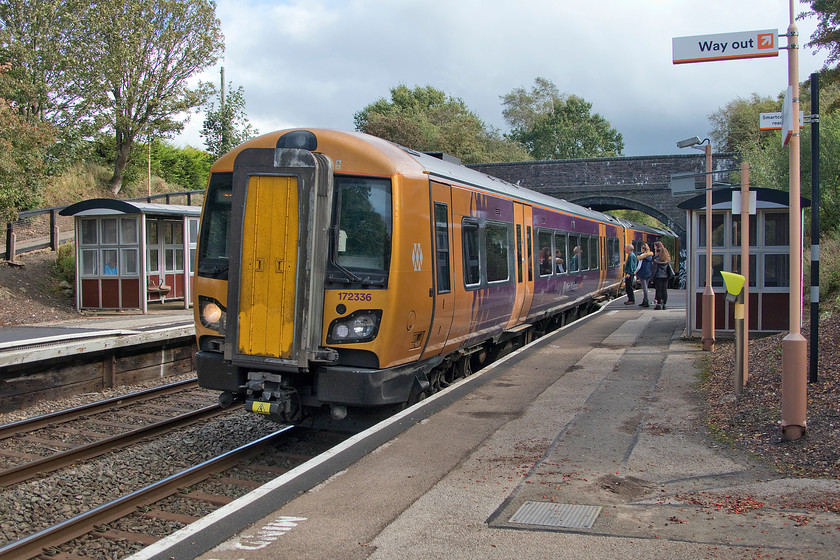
(64, 267)
(829, 267)
(735, 126)
(227, 127)
(554, 126)
(189, 168)
(827, 36)
(23, 146)
(770, 162)
(427, 120)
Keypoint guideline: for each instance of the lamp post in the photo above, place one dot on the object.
(794, 345)
(708, 293)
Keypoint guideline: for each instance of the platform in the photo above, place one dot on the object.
(588, 444)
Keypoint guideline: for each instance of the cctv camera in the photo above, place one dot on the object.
(693, 141)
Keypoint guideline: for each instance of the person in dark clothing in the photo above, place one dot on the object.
(630, 274)
(661, 273)
(646, 260)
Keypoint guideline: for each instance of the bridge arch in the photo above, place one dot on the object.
(604, 203)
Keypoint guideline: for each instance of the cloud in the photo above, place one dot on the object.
(316, 63)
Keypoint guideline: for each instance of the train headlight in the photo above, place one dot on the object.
(360, 326)
(212, 314)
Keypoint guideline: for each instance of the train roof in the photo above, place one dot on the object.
(441, 167)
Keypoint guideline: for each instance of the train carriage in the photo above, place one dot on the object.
(340, 272)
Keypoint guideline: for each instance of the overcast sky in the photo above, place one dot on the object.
(315, 63)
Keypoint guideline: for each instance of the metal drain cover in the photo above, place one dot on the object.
(571, 516)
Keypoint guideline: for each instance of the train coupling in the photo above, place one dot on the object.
(268, 394)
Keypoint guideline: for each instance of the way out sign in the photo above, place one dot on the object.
(726, 46)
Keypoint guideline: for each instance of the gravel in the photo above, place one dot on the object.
(753, 422)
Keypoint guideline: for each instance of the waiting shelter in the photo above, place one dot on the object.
(769, 256)
(118, 268)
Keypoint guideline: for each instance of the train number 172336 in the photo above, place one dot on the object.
(354, 296)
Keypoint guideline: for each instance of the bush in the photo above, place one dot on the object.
(830, 267)
(64, 268)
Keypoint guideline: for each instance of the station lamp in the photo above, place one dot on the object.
(708, 293)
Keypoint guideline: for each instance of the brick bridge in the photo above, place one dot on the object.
(634, 183)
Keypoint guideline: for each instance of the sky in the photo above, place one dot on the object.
(315, 63)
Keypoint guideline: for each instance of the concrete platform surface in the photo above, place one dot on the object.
(589, 444)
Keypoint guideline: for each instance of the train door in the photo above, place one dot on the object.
(523, 271)
(443, 290)
(269, 265)
(602, 261)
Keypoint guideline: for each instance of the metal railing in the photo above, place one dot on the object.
(42, 228)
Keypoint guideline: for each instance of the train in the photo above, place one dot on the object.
(339, 276)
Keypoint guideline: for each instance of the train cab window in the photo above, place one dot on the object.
(215, 228)
(442, 247)
(545, 251)
(363, 219)
(575, 259)
(560, 256)
(472, 270)
(498, 252)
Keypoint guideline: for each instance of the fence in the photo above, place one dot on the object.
(44, 228)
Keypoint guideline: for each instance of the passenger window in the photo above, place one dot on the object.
(560, 257)
(498, 250)
(544, 255)
(575, 259)
(594, 254)
(469, 232)
(584, 252)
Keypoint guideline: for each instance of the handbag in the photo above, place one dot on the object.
(670, 271)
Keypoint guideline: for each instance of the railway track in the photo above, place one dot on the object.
(142, 517)
(43, 444)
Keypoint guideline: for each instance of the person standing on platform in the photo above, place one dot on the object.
(661, 271)
(630, 274)
(645, 262)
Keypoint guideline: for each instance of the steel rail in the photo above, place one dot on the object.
(57, 535)
(29, 470)
(61, 416)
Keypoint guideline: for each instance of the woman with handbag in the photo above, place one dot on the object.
(661, 272)
(643, 272)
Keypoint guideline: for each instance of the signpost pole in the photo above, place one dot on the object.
(709, 293)
(813, 375)
(745, 268)
(794, 346)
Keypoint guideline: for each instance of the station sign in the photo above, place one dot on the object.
(726, 46)
(773, 121)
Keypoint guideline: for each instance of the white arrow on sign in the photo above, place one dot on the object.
(726, 46)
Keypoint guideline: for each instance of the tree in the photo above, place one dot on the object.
(42, 46)
(227, 127)
(142, 53)
(23, 144)
(427, 120)
(554, 126)
(827, 36)
(735, 125)
(769, 161)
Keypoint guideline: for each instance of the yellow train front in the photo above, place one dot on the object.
(339, 272)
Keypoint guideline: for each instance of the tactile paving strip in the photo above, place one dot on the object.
(571, 516)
